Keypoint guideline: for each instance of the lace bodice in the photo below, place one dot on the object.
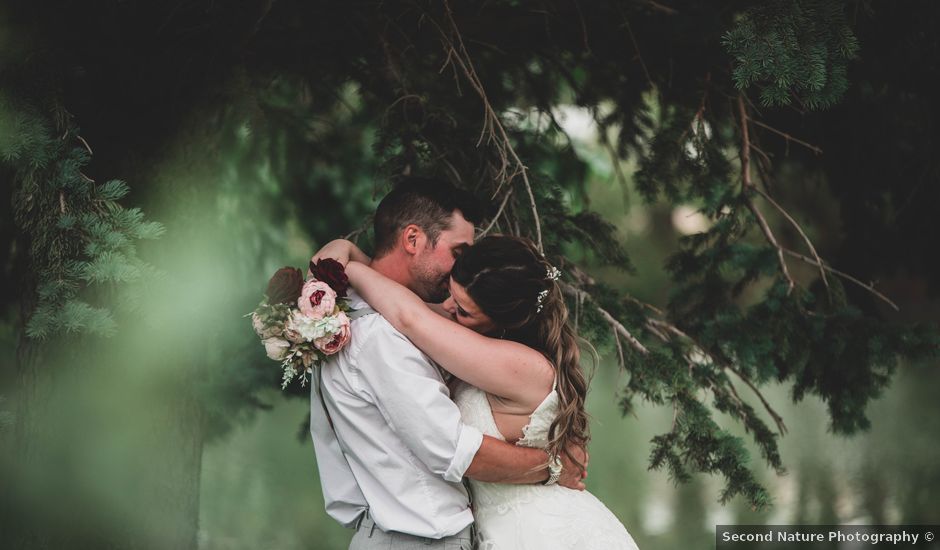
(535, 517)
(475, 411)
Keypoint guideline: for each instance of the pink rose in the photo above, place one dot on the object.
(331, 344)
(317, 299)
(292, 334)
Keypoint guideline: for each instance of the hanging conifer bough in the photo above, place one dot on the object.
(82, 242)
(797, 50)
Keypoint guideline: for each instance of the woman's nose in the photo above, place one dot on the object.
(449, 306)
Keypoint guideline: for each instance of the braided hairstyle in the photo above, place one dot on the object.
(510, 281)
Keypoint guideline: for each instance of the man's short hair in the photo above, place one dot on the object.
(426, 202)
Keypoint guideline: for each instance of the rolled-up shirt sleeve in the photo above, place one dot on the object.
(409, 392)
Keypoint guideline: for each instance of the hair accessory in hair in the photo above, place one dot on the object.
(539, 302)
(553, 273)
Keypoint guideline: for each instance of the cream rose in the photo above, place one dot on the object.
(276, 348)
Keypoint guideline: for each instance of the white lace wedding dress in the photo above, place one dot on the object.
(535, 517)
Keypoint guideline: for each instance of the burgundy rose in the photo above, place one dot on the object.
(285, 286)
(332, 273)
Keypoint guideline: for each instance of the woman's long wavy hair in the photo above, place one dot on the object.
(505, 276)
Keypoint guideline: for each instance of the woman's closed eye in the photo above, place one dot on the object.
(458, 250)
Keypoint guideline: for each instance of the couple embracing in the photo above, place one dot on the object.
(462, 365)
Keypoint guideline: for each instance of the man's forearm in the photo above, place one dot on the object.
(500, 462)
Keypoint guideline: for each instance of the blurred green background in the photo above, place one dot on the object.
(255, 144)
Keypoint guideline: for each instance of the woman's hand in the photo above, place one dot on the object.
(342, 251)
(572, 475)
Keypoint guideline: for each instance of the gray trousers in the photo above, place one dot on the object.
(369, 537)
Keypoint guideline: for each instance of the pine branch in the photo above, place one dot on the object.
(778, 419)
(620, 359)
(492, 125)
(499, 212)
(611, 151)
(660, 7)
(85, 143)
(748, 185)
(844, 275)
(636, 48)
(787, 136)
(81, 240)
(806, 239)
(615, 325)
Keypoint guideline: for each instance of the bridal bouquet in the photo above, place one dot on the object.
(302, 322)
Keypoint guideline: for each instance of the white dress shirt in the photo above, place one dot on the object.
(397, 445)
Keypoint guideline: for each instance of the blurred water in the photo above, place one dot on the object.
(260, 487)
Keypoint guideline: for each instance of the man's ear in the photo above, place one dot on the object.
(413, 239)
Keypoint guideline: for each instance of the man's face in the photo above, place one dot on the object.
(431, 267)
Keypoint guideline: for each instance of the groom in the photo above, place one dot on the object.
(391, 448)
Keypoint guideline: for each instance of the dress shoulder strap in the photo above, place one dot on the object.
(361, 312)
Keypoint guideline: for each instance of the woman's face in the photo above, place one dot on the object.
(465, 311)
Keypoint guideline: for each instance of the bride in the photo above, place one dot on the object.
(505, 336)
